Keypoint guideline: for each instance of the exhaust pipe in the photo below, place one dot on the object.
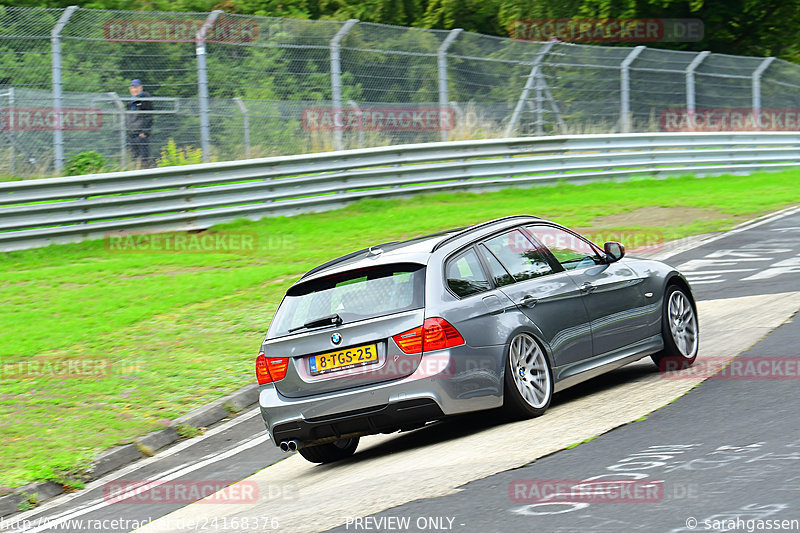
(290, 445)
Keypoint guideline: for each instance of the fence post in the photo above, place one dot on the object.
(532, 77)
(690, 85)
(625, 89)
(245, 125)
(336, 78)
(202, 82)
(757, 73)
(123, 152)
(55, 49)
(442, 61)
(12, 104)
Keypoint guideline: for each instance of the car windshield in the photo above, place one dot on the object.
(352, 296)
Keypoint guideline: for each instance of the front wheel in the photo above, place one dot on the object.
(680, 331)
(528, 378)
(330, 452)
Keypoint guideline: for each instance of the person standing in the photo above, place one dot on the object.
(139, 123)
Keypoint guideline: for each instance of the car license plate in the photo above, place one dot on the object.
(343, 359)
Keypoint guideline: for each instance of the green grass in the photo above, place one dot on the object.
(181, 329)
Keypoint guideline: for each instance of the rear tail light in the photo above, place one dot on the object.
(410, 341)
(434, 334)
(270, 369)
(440, 334)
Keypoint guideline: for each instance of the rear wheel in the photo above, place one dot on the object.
(528, 378)
(330, 452)
(680, 331)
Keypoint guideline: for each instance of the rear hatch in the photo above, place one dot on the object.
(337, 330)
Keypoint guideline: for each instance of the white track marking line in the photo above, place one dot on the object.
(168, 452)
(744, 226)
(249, 443)
(704, 272)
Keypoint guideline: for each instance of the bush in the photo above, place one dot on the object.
(89, 162)
(171, 155)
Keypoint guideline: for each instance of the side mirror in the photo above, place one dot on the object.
(614, 250)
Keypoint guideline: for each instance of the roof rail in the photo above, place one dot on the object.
(342, 259)
(470, 229)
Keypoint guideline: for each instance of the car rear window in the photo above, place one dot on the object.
(465, 275)
(354, 295)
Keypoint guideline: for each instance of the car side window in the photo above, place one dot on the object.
(571, 251)
(518, 255)
(498, 272)
(465, 274)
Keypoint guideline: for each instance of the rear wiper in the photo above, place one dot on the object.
(319, 322)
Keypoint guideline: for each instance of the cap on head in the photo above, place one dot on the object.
(135, 83)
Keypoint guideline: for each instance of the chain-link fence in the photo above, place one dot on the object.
(229, 86)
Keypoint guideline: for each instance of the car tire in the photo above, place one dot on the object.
(528, 378)
(679, 329)
(330, 452)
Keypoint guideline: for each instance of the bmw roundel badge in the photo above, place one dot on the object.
(336, 339)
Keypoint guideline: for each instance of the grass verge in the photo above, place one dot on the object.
(153, 335)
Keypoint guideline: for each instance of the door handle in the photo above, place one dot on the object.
(528, 301)
(587, 287)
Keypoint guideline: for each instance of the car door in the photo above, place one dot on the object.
(551, 300)
(612, 292)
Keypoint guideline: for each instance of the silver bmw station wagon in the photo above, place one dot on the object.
(499, 314)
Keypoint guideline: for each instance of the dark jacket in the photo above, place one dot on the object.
(139, 122)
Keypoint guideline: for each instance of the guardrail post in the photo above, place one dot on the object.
(245, 125)
(442, 62)
(532, 77)
(757, 73)
(690, 84)
(625, 89)
(123, 152)
(336, 77)
(202, 82)
(55, 49)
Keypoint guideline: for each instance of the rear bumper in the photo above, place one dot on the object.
(461, 386)
(381, 419)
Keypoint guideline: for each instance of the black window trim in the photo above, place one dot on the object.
(482, 244)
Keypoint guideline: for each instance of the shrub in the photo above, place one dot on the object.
(85, 163)
(171, 155)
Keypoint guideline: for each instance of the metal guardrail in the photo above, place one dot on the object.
(36, 213)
